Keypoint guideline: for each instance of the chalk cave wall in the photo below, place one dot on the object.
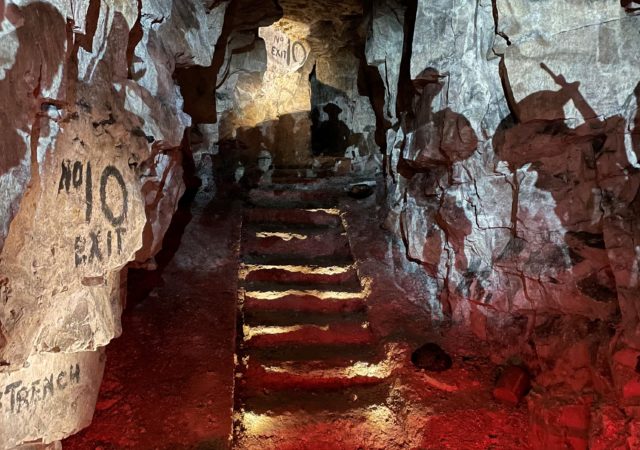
(512, 179)
(512, 185)
(274, 85)
(90, 176)
(265, 99)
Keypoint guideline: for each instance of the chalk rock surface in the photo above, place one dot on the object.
(90, 176)
(53, 397)
(513, 181)
(265, 99)
(519, 162)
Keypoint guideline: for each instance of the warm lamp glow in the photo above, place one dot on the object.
(308, 270)
(284, 236)
(251, 332)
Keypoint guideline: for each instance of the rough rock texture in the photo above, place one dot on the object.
(519, 197)
(265, 97)
(512, 137)
(384, 49)
(90, 175)
(513, 179)
(54, 395)
(335, 83)
(271, 106)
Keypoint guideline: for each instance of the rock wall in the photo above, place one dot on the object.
(516, 159)
(274, 90)
(90, 175)
(513, 178)
(271, 96)
(384, 49)
(338, 107)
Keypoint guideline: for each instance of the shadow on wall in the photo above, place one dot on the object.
(571, 169)
(440, 138)
(630, 6)
(286, 139)
(292, 139)
(331, 137)
(35, 67)
(570, 164)
(635, 132)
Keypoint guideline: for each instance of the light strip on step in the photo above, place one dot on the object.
(322, 295)
(377, 419)
(331, 211)
(308, 270)
(284, 236)
(251, 332)
(381, 370)
(258, 424)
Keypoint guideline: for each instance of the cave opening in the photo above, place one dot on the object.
(285, 224)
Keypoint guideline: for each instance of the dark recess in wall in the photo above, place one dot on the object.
(198, 84)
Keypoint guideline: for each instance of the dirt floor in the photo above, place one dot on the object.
(447, 410)
(168, 381)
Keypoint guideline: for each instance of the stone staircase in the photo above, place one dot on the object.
(310, 372)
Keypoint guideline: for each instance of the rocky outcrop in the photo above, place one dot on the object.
(384, 49)
(91, 175)
(516, 171)
(265, 98)
(271, 97)
(513, 178)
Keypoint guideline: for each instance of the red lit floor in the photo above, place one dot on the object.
(168, 378)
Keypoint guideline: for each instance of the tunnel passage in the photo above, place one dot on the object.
(286, 224)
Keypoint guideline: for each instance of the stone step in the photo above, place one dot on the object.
(293, 204)
(324, 243)
(295, 180)
(337, 183)
(256, 318)
(291, 232)
(340, 289)
(305, 303)
(292, 228)
(327, 217)
(310, 352)
(296, 335)
(289, 198)
(314, 367)
(315, 162)
(320, 294)
(298, 401)
(365, 423)
(300, 274)
(311, 375)
(294, 172)
(285, 259)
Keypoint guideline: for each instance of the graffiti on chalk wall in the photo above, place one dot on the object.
(50, 396)
(21, 395)
(282, 51)
(110, 202)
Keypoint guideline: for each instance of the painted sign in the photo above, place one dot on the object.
(111, 202)
(54, 391)
(283, 52)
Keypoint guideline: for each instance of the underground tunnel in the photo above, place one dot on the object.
(285, 224)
